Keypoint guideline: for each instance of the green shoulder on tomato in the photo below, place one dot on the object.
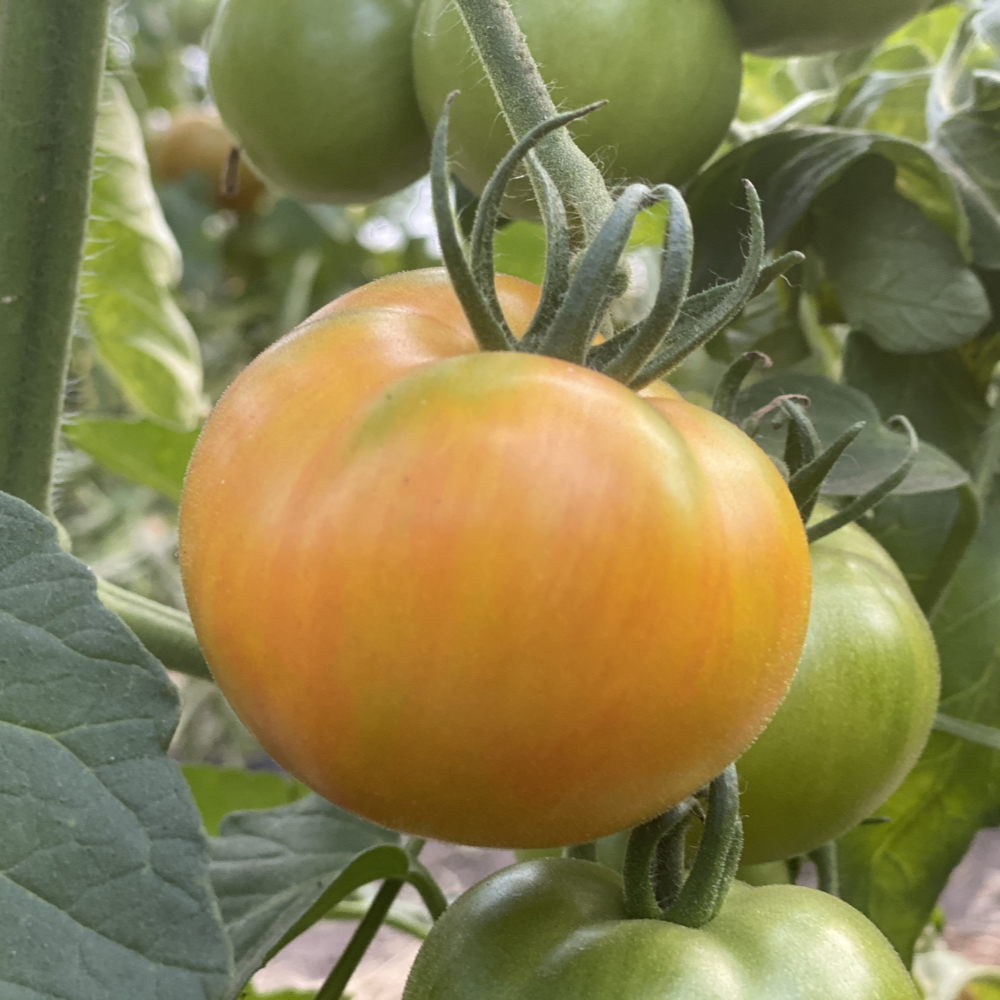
(320, 94)
(669, 69)
(555, 929)
(806, 27)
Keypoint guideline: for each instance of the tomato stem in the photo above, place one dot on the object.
(827, 868)
(583, 852)
(963, 530)
(51, 62)
(526, 104)
(167, 633)
(728, 390)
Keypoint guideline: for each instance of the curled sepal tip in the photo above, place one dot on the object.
(484, 227)
(641, 342)
(592, 289)
(728, 390)
(751, 426)
(711, 311)
(805, 485)
(491, 331)
(718, 856)
(861, 505)
(641, 901)
(802, 444)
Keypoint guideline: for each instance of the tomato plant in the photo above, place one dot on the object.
(794, 27)
(461, 670)
(195, 142)
(320, 95)
(670, 70)
(859, 710)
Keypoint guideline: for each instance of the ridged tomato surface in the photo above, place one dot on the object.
(491, 598)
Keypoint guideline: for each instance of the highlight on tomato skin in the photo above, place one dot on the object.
(490, 598)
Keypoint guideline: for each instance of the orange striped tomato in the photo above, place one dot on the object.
(492, 598)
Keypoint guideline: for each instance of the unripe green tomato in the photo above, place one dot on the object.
(806, 27)
(859, 710)
(319, 94)
(670, 70)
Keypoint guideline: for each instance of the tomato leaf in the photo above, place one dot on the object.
(894, 872)
(939, 392)
(897, 275)
(142, 451)
(875, 453)
(139, 333)
(790, 169)
(104, 891)
(277, 871)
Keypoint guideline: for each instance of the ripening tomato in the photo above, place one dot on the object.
(320, 94)
(196, 142)
(492, 598)
(669, 69)
(858, 713)
(805, 27)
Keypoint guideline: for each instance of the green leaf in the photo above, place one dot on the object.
(519, 250)
(104, 891)
(221, 790)
(892, 102)
(277, 871)
(873, 455)
(897, 275)
(142, 451)
(132, 260)
(972, 137)
(789, 169)
(895, 872)
(938, 392)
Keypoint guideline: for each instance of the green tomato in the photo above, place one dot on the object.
(319, 94)
(805, 27)
(670, 70)
(555, 929)
(858, 712)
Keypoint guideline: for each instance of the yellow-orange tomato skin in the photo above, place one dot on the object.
(489, 598)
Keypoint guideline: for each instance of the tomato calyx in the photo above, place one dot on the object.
(657, 886)
(807, 463)
(582, 283)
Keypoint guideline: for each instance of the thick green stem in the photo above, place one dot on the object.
(165, 632)
(525, 102)
(827, 868)
(51, 61)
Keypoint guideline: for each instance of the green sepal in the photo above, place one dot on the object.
(713, 313)
(591, 290)
(728, 389)
(805, 484)
(484, 227)
(641, 901)
(718, 856)
(491, 334)
(861, 505)
(640, 342)
(802, 444)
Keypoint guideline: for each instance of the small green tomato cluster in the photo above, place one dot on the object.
(335, 101)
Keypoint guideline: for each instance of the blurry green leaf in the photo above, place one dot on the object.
(104, 889)
(277, 871)
(987, 22)
(892, 102)
(141, 451)
(938, 392)
(131, 262)
(895, 872)
(974, 732)
(520, 251)
(252, 994)
(789, 169)
(972, 137)
(897, 276)
(877, 452)
(933, 30)
(221, 790)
